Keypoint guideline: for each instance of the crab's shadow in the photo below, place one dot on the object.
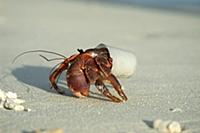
(38, 76)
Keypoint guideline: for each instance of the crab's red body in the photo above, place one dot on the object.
(88, 67)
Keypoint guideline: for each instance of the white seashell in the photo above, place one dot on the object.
(163, 127)
(124, 62)
(10, 94)
(58, 130)
(2, 95)
(156, 123)
(1, 104)
(9, 104)
(176, 110)
(18, 101)
(174, 127)
(18, 108)
(8, 100)
(167, 126)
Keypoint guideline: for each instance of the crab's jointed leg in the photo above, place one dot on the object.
(54, 76)
(115, 83)
(103, 89)
(105, 64)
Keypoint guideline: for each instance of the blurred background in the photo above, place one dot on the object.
(65, 25)
(181, 5)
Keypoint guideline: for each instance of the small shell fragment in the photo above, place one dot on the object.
(9, 104)
(1, 104)
(167, 126)
(18, 101)
(2, 96)
(163, 127)
(58, 130)
(174, 127)
(9, 100)
(18, 108)
(156, 123)
(11, 95)
(176, 110)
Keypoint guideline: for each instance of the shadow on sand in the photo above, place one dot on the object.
(148, 123)
(38, 76)
(34, 75)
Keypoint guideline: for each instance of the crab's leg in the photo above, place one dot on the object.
(105, 65)
(54, 76)
(103, 89)
(115, 83)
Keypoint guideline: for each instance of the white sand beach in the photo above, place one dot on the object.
(166, 43)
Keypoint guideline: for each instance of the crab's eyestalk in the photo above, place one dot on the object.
(80, 50)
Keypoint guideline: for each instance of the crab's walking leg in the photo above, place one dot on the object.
(54, 76)
(115, 83)
(103, 89)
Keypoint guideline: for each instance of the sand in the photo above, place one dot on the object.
(166, 44)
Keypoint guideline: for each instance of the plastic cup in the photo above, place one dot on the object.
(124, 61)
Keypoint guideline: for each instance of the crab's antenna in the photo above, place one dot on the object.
(34, 51)
(53, 59)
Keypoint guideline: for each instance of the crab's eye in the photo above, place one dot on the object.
(80, 50)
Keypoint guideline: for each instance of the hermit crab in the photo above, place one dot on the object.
(97, 66)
